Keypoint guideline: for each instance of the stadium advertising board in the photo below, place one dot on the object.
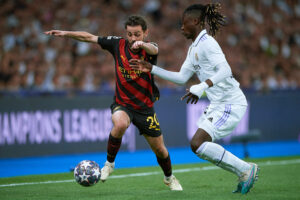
(55, 126)
(67, 127)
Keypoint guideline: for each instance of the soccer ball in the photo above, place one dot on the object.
(87, 173)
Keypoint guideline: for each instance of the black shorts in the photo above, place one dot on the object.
(145, 120)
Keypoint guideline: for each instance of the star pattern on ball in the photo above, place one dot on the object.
(86, 164)
(87, 173)
(83, 177)
(97, 172)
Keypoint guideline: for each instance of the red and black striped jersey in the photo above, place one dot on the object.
(134, 89)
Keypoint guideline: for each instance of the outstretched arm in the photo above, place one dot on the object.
(77, 35)
(180, 77)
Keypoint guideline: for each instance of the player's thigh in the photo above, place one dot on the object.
(220, 120)
(234, 117)
(121, 122)
(147, 123)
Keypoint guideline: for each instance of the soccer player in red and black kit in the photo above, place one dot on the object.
(135, 93)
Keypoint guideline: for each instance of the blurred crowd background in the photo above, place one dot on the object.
(261, 42)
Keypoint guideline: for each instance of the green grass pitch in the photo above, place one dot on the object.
(279, 178)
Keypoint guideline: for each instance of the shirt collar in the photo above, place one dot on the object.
(201, 34)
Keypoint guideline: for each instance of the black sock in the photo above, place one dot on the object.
(113, 147)
(165, 164)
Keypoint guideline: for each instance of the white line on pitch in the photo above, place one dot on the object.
(267, 163)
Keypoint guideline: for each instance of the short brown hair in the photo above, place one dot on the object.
(136, 20)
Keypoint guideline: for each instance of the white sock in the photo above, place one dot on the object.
(168, 177)
(219, 156)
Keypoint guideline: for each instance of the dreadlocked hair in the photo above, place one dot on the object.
(214, 18)
(208, 13)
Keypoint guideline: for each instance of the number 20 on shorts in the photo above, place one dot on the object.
(154, 124)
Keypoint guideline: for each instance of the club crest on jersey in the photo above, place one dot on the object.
(197, 67)
(142, 58)
(196, 57)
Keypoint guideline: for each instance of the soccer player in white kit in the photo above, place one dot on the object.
(228, 104)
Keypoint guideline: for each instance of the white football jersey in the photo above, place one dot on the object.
(203, 56)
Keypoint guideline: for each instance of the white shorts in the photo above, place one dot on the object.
(219, 120)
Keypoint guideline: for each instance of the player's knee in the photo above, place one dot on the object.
(195, 144)
(121, 126)
(199, 138)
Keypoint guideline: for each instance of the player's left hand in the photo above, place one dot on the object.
(56, 33)
(137, 44)
(141, 65)
(190, 97)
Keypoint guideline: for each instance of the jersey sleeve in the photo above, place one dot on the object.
(214, 53)
(109, 43)
(153, 58)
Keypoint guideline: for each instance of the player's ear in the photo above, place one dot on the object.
(146, 32)
(196, 21)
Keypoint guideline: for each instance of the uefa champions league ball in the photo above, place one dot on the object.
(87, 173)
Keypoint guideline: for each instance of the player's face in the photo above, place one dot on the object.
(189, 27)
(135, 33)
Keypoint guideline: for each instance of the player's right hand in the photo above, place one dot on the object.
(137, 44)
(141, 65)
(56, 33)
